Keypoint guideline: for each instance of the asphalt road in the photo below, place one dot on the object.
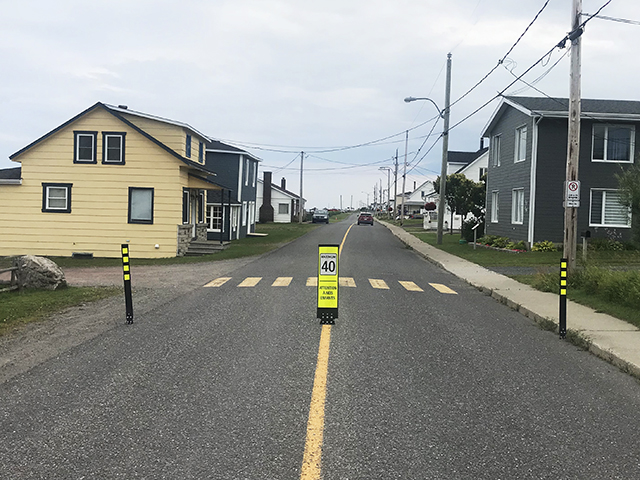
(421, 384)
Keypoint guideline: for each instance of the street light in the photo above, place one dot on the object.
(367, 194)
(445, 145)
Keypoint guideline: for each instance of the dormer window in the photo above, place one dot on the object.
(113, 148)
(187, 148)
(84, 147)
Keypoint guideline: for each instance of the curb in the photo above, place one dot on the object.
(575, 337)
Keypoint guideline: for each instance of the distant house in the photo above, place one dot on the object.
(473, 165)
(527, 167)
(106, 177)
(231, 212)
(276, 203)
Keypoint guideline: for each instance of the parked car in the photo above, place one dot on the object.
(320, 216)
(365, 217)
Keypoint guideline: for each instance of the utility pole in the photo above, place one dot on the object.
(301, 206)
(445, 152)
(573, 143)
(395, 187)
(351, 204)
(341, 203)
(404, 176)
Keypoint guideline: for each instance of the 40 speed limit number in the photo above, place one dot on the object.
(328, 256)
(328, 263)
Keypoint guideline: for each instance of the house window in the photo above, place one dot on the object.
(495, 197)
(187, 148)
(56, 197)
(481, 173)
(245, 214)
(607, 210)
(613, 143)
(255, 173)
(140, 205)
(201, 206)
(517, 206)
(521, 144)
(214, 218)
(283, 209)
(84, 147)
(200, 152)
(113, 147)
(495, 151)
(185, 206)
(246, 172)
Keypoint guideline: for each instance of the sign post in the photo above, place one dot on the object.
(126, 268)
(328, 283)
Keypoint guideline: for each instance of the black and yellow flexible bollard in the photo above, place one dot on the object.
(126, 269)
(562, 327)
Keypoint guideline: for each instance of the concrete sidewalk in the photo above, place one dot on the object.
(611, 339)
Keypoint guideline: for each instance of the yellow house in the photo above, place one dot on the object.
(106, 177)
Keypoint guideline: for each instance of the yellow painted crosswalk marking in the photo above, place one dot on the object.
(412, 287)
(282, 282)
(380, 284)
(346, 282)
(443, 288)
(312, 282)
(218, 282)
(250, 282)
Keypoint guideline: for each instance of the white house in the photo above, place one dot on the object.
(279, 205)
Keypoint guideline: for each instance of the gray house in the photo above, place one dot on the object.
(231, 212)
(527, 167)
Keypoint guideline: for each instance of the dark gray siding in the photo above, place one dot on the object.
(509, 175)
(551, 174)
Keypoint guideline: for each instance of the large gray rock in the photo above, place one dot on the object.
(39, 273)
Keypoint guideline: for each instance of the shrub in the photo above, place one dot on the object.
(467, 230)
(521, 245)
(488, 239)
(544, 246)
(606, 244)
(500, 242)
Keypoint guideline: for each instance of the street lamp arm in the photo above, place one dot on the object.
(413, 99)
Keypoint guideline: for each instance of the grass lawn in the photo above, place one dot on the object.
(609, 260)
(21, 307)
(17, 308)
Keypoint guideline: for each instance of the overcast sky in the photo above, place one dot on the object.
(282, 76)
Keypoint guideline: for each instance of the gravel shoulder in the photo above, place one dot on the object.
(153, 286)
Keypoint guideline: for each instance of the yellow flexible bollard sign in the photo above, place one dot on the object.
(328, 283)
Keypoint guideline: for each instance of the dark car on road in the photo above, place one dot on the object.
(320, 216)
(364, 218)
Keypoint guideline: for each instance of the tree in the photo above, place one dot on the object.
(629, 182)
(463, 196)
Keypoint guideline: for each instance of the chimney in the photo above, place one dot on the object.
(414, 186)
(266, 209)
(481, 143)
(283, 183)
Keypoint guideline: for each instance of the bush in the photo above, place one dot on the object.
(467, 230)
(488, 239)
(521, 245)
(606, 244)
(544, 246)
(500, 242)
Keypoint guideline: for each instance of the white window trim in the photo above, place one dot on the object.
(48, 206)
(106, 148)
(246, 171)
(245, 214)
(255, 173)
(517, 207)
(211, 217)
(604, 202)
(632, 141)
(495, 206)
(518, 140)
(495, 150)
(286, 205)
(94, 140)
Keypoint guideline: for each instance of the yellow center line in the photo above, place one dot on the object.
(312, 460)
(443, 288)
(282, 282)
(218, 282)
